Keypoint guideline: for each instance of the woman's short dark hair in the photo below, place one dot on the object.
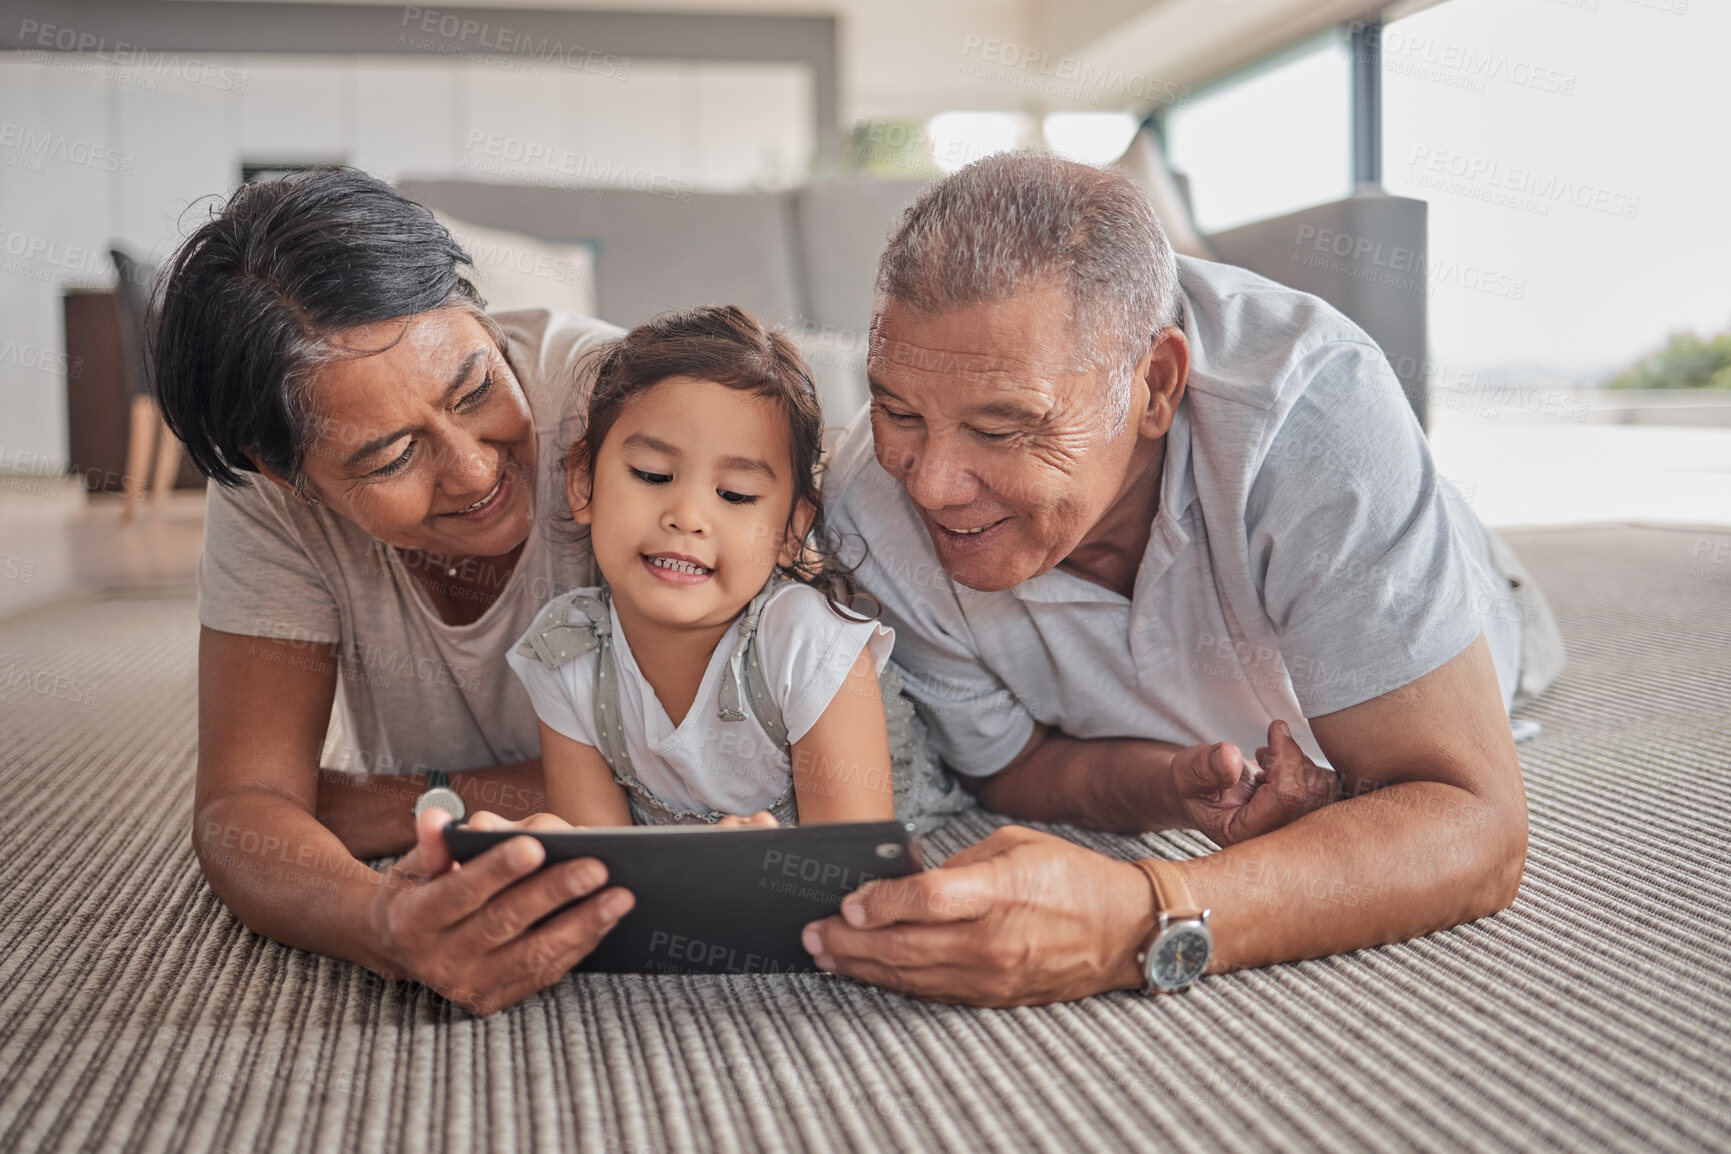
(248, 306)
(727, 345)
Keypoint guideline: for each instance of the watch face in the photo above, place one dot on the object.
(1180, 955)
(441, 798)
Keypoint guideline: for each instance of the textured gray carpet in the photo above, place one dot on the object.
(136, 1013)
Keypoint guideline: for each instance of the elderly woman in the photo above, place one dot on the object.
(382, 526)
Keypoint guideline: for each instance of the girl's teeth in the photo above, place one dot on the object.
(677, 566)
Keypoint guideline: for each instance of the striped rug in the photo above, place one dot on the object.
(137, 1014)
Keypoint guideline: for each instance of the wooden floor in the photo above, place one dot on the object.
(59, 541)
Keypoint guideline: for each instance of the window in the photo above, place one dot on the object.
(1271, 140)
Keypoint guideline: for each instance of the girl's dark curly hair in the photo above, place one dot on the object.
(729, 346)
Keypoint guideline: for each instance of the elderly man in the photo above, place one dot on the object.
(1131, 515)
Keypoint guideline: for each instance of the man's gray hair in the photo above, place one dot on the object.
(1019, 221)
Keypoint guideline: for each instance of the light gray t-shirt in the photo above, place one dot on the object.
(414, 693)
(1306, 557)
(704, 763)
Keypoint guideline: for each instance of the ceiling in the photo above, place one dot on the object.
(912, 58)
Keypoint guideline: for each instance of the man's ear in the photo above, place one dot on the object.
(798, 526)
(1164, 370)
(578, 490)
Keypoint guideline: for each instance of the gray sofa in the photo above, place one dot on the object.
(806, 258)
(1380, 280)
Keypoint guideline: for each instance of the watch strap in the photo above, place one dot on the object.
(1172, 895)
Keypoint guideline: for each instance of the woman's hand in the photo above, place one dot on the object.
(762, 819)
(465, 932)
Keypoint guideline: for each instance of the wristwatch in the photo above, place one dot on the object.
(440, 795)
(1178, 950)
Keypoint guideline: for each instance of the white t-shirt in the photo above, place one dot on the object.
(413, 693)
(704, 763)
(1306, 557)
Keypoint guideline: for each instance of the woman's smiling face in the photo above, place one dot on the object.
(427, 443)
(689, 503)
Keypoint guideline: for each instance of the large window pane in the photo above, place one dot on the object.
(1269, 142)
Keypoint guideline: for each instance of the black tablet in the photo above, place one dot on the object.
(720, 901)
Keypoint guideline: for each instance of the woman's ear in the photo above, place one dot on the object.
(798, 526)
(282, 482)
(578, 490)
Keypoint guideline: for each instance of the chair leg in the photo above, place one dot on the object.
(167, 461)
(140, 443)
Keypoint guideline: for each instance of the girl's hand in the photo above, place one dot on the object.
(762, 819)
(538, 822)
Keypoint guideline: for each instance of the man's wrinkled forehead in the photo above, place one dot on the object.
(891, 358)
(1009, 343)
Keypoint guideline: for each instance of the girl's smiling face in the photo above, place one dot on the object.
(689, 503)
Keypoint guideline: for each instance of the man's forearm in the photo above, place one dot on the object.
(373, 814)
(1382, 867)
(1116, 785)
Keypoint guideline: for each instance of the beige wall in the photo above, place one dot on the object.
(91, 153)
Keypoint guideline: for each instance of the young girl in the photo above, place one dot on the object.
(715, 671)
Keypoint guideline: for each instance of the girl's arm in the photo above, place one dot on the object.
(841, 767)
(580, 786)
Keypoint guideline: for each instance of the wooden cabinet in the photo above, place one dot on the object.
(98, 396)
(98, 404)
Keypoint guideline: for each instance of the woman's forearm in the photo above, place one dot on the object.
(287, 877)
(373, 814)
(1111, 784)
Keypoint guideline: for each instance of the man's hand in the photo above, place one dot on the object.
(465, 930)
(1232, 801)
(1021, 918)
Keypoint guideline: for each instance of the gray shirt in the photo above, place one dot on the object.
(1306, 557)
(414, 693)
